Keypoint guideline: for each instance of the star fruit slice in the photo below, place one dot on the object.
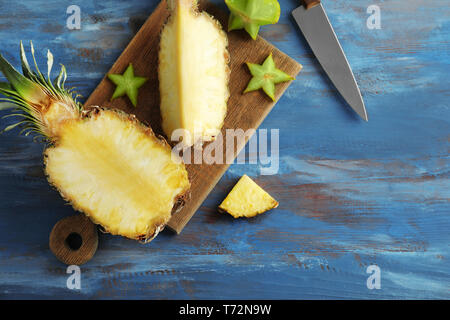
(251, 14)
(266, 76)
(127, 84)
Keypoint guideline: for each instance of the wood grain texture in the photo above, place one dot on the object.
(71, 252)
(245, 111)
(351, 194)
(310, 3)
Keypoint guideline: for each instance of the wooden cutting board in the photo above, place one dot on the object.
(245, 111)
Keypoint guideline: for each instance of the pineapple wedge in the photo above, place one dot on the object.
(247, 199)
(104, 162)
(193, 73)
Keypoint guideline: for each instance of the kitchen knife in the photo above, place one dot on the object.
(317, 29)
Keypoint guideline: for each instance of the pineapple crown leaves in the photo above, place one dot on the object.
(26, 93)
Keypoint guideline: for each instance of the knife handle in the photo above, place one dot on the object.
(310, 3)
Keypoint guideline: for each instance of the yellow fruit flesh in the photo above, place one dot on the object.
(57, 113)
(193, 73)
(117, 172)
(247, 199)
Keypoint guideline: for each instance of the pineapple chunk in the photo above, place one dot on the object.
(117, 172)
(193, 73)
(247, 199)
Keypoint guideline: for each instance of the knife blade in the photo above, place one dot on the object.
(318, 31)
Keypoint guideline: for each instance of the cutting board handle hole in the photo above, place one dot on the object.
(74, 241)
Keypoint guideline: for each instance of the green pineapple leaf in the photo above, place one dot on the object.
(6, 105)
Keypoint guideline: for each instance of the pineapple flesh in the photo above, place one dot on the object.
(104, 162)
(193, 73)
(128, 182)
(247, 199)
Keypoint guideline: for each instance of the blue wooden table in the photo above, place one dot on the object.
(352, 194)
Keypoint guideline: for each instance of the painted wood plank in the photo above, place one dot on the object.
(351, 194)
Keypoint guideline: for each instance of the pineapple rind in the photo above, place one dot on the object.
(247, 199)
(116, 171)
(193, 73)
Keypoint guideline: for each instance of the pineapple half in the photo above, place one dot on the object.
(193, 74)
(104, 162)
(247, 199)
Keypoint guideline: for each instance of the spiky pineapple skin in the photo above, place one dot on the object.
(114, 206)
(193, 73)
